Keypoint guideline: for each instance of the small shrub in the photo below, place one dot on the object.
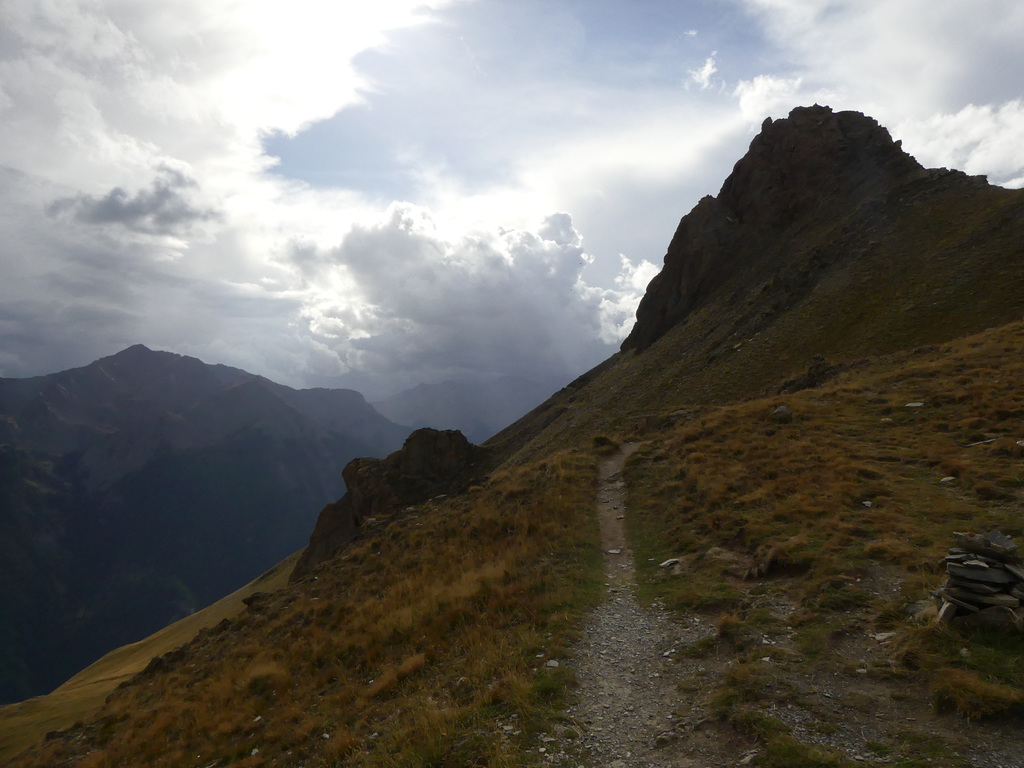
(727, 624)
(266, 679)
(972, 697)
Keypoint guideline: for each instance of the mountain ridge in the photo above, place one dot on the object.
(143, 486)
(931, 257)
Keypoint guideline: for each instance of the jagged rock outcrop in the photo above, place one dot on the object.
(795, 169)
(431, 462)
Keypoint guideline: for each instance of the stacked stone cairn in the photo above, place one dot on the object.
(986, 581)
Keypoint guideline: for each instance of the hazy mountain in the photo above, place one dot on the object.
(791, 550)
(477, 408)
(146, 485)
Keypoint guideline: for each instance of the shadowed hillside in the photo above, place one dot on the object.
(798, 545)
(146, 485)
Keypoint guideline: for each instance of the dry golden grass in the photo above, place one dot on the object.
(971, 696)
(841, 517)
(406, 650)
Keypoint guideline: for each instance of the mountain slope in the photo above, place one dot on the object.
(798, 544)
(143, 486)
(876, 261)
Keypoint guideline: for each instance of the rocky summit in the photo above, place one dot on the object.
(814, 164)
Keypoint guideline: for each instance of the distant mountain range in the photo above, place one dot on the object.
(477, 408)
(146, 485)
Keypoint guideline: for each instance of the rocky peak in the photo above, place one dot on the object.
(797, 169)
(796, 165)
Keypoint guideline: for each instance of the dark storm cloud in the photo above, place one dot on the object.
(166, 208)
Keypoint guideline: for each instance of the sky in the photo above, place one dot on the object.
(375, 195)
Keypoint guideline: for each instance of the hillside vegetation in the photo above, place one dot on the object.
(414, 648)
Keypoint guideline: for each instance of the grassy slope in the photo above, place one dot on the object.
(421, 644)
(81, 697)
(939, 265)
(412, 649)
(731, 489)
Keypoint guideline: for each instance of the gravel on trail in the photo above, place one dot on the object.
(627, 691)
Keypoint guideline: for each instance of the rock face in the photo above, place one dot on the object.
(431, 463)
(795, 168)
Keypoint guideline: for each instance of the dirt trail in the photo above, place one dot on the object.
(627, 682)
(642, 703)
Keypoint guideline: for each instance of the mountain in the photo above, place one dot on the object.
(476, 408)
(826, 240)
(146, 485)
(822, 389)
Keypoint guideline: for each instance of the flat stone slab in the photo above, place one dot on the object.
(988, 575)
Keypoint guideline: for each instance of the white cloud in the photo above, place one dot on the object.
(910, 58)
(618, 307)
(767, 96)
(942, 75)
(101, 93)
(140, 125)
(702, 77)
(406, 301)
(977, 139)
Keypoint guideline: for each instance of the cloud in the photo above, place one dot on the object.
(702, 77)
(164, 209)
(983, 139)
(767, 96)
(409, 302)
(943, 76)
(139, 202)
(901, 60)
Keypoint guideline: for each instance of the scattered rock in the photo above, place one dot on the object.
(914, 405)
(782, 415)
(665, 738)
(992, 544)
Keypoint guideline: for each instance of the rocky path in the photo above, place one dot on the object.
(627, 693)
